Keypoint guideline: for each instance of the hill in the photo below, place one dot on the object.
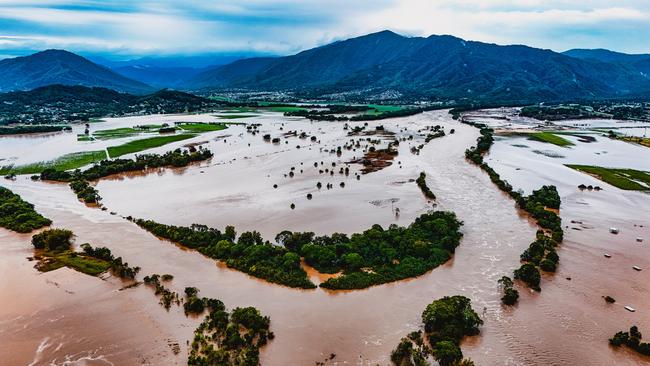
(63, 103)
(62, 67)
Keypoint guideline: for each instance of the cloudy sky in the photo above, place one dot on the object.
(125, 29)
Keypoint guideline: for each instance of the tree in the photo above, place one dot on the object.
(447, 353)
(353, 261)
(530, 275)
(291, 260)
(510, 294)
(230, 233)
(53, 239)
(250, 238)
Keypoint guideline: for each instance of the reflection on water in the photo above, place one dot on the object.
(565, 323)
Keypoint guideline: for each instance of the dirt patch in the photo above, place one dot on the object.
(374, 161)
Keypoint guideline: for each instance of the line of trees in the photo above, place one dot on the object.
(372, 257)
(20, 129)
(542, 253)
(422, 183)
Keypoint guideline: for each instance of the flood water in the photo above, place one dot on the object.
(63, 314)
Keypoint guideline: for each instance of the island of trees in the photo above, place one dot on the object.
(422, 183)
(54, 250)
(19, 215)
(631, 339)
(446, 322)
(223, 338)
(372, 257)
(229, 338)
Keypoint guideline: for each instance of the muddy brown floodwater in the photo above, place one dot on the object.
(64, 315)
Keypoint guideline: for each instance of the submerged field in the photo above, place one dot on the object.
(550, 138)
(302, 185)
(201, 127)
(66, 162)
(145, 144)
(628, 179)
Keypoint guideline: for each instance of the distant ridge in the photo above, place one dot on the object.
(640, 62)
(446, 67)
(376, 66)
(62, 67)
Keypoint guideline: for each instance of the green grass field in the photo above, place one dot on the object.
(234, 116)
(643, 141)
(627, 179)
(144, 144)
(116, 133)
(65, 162)
(78, 262)
(550, 138)
(202, 127)
(285, 109)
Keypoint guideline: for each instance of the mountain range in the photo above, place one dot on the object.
(382, 65)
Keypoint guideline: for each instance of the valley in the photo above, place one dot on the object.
(236, 187)
(325, 183)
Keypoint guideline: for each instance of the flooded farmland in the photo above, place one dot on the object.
(64, 316)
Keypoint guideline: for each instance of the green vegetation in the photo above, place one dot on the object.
(167, 297)
(79, 180)
(540, 205)
(63, 103)
(201, 127)
(145, 144)
(550, 138)
(233, 338)
(287, 108)
(235, 116)
(19, 215)
(510, 294)
(643, 141)
(369, 112)
(631, 339)
(529, 274)
(422, 183)
(53, 239)
(116, 133)
(55, 251)
(50, 261)
(116, 265)
(446, 322)
(249, 254)
(20, 129)
(66, 162)
(627, 179)
(604, 109)
(382, 108)
(223, 338)
(365, 259)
